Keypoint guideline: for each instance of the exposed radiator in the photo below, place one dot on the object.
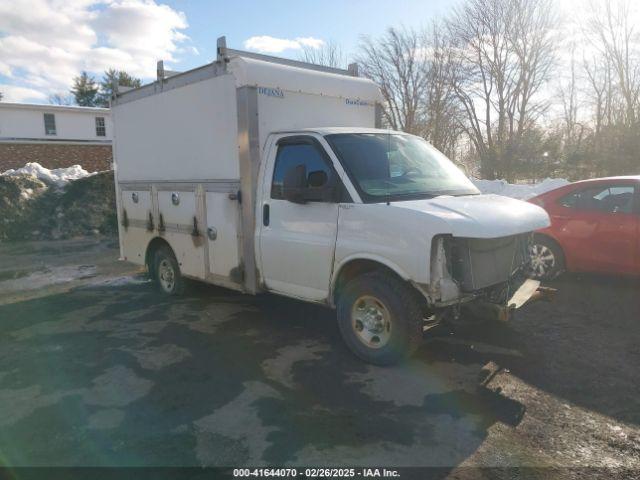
(478, 263)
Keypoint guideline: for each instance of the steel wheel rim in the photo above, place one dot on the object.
(542, 260)
(166, 275)
(371, 321)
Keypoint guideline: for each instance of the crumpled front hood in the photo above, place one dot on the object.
(482, 216)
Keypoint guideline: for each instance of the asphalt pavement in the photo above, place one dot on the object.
(98, 369)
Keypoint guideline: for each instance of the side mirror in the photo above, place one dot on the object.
(298, 188)
(320, 188)
(318, 179)
(294, 184)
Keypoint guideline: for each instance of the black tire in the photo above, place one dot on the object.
(395, 300)
(166, 272)
(547, 258)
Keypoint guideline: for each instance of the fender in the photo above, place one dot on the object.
(337, 269)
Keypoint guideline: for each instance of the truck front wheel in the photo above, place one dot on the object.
(380, 318)
(166, 272)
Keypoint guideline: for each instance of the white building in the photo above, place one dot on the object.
(55, 136)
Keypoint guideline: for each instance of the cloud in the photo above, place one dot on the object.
(267, 44)
(13, 93)
(45, 43)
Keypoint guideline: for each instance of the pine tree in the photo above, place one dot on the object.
(1, 96)
(115, 77)
(85, 90)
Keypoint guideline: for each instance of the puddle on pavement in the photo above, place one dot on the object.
(8, 275)
(47, 276)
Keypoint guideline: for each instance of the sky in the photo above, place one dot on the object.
(45, 43)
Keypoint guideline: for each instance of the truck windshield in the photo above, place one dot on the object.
(392, 167)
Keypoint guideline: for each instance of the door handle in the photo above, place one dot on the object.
(265, 214)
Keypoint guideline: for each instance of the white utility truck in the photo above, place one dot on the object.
(263, 174)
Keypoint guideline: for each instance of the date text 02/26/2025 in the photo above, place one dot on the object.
(316, 473)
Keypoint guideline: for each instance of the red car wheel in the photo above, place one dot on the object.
(547, 260)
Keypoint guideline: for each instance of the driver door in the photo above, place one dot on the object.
(297, 240)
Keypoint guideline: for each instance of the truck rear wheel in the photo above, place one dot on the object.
(380, 318)
(166, 272)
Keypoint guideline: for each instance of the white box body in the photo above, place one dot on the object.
(187, 152)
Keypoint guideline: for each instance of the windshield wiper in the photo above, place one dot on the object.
(409, 196)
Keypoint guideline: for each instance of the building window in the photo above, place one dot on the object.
(49, 124)
(101, 130)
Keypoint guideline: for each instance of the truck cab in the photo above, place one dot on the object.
(269, 175)
(345, 211)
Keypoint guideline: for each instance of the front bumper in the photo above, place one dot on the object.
(530, 291)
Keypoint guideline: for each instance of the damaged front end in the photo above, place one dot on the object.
(485, 278)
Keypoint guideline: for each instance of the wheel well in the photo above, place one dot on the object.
(549, 238)
(153, 246)
(357, 267)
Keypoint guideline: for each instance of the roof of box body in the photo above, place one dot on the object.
(260, 73)
(70, 108)
(249, 71)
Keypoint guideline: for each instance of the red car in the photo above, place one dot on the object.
(595, 227)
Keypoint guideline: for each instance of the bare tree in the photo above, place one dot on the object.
(60, 99)
(504, 55)
(598, 81)
(413, 70)
(614, 35)
(329, 55)
(612, 88)
(443, 125)
(397, 63)
(574, 130)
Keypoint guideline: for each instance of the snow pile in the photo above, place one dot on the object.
(66, 208)
(523, 191)
(57, 176)
(26, 194)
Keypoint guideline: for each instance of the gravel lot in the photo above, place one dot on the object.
(97, 369)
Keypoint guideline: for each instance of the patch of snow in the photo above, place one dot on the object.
(523, 191)
(26, 194)
(57, 176)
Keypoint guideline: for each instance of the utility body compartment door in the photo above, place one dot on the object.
(297, 240)
(136, 207)
(180, 209)
(222, 235)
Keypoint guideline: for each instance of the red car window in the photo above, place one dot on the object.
(604, 198)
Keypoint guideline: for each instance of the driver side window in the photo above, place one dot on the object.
(292, 155)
